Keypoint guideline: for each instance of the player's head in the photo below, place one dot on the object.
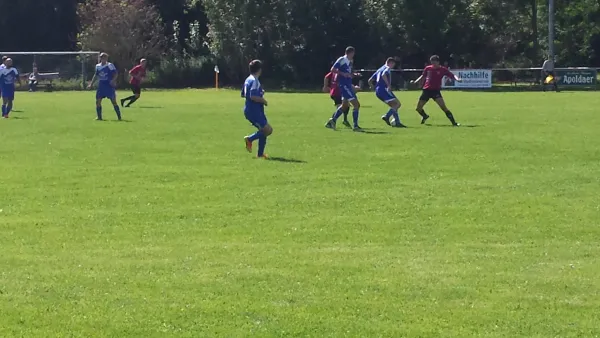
(435, 60)
(390, 62)
(143, 62)
(8, 62)
(255, 67)
(350, 52)
(4, 58)
(103, 57)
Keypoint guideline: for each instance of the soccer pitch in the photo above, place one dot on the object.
(164, 226)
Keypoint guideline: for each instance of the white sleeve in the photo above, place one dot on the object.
(111, 66)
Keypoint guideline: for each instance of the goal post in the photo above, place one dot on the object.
(69, 70)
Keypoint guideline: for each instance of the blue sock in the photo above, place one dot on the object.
(99, 112)
(118, 111)
(3, 110)
(396, 116)
(9, 108)
(337, 114)
(389, 114)
(262, 143)
(255, 136)
(355, 117)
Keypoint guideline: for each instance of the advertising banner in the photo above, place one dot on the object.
(471, 78)
(576, 77)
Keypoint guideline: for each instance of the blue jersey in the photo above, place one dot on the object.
(8, 76)
(251, 88)
(105, 74)
(344, 65)
(381, 73)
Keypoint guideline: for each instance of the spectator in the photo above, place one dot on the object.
(33, 79)
(548, 74)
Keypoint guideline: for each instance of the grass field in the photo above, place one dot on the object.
(165, 227)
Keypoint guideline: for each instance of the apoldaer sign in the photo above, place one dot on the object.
(577, 77)
(471, 78)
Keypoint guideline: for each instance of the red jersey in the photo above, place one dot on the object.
(137, 74)
(434, 76)
(334, 88)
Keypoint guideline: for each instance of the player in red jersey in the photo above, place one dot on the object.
(138, 73)
(330, 84)
(433, 76)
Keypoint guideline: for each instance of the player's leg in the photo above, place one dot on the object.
(137, 93)
(266, 131)
(394, 105)
(99, 107)
(112, 96)
(4, 105)
(345, 108)
(440, 101)
(421, 105)
(331, 123)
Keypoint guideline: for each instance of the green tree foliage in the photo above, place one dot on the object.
(298, 40)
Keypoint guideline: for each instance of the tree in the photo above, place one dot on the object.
(126, 29)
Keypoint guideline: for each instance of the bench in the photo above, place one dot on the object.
(45, 80)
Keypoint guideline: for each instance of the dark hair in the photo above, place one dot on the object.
(390, 59)
(434, 58)
(255, 66)
(4, 58)
(350, 49)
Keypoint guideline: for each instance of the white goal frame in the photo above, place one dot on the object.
(82, 53)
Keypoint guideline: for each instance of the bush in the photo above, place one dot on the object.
(183, 72)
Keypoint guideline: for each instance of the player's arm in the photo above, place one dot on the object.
(326, 82)
(92, 81)
(387, 79)
(371, 80)
(252, 94)
(419, 80)
(336, 70)
(450, 74)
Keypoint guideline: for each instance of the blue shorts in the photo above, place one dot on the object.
(106, 92)
(257, 118)
(348, 92)
(8, 92)
(384, 95)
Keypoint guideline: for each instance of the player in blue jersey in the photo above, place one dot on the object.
(254, 109)
(342, 67)
(3, 66)
(8, 76)
(383, 89)
(107, 74)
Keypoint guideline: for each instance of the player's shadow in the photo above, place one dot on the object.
(451, 126)
(123, 120)
(18, 111)
(286, 160)
(150, 107)
(372, 131)
(18, 118)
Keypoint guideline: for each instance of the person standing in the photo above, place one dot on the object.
(549, 74)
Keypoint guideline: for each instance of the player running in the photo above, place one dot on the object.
(107, 74)
(8, 76)
(342, 67)
(383, 90)
(433, 75)
(2, 66)
(254, 109)
(138, 73)
(331, 85)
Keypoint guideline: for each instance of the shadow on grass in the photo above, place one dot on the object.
(123, 120)
(372, 131)
(285, 160)
(17, 118)
(451, 126)
(18, 111)
(148, 107)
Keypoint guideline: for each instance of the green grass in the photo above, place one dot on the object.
(166, 227)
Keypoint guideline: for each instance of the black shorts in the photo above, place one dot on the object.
(337, 99)
(136, 89)
(430, 94)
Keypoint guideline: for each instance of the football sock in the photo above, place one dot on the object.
(346, 111)
(131, 101)
(337, 114)
(396, 116)
(262, 143)
(450, 117)
(421, 112)
(389, 114)
(3, 109)
(99, 112)
(8, 108)
(118, 111)
(355, 117)
(254, 136)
